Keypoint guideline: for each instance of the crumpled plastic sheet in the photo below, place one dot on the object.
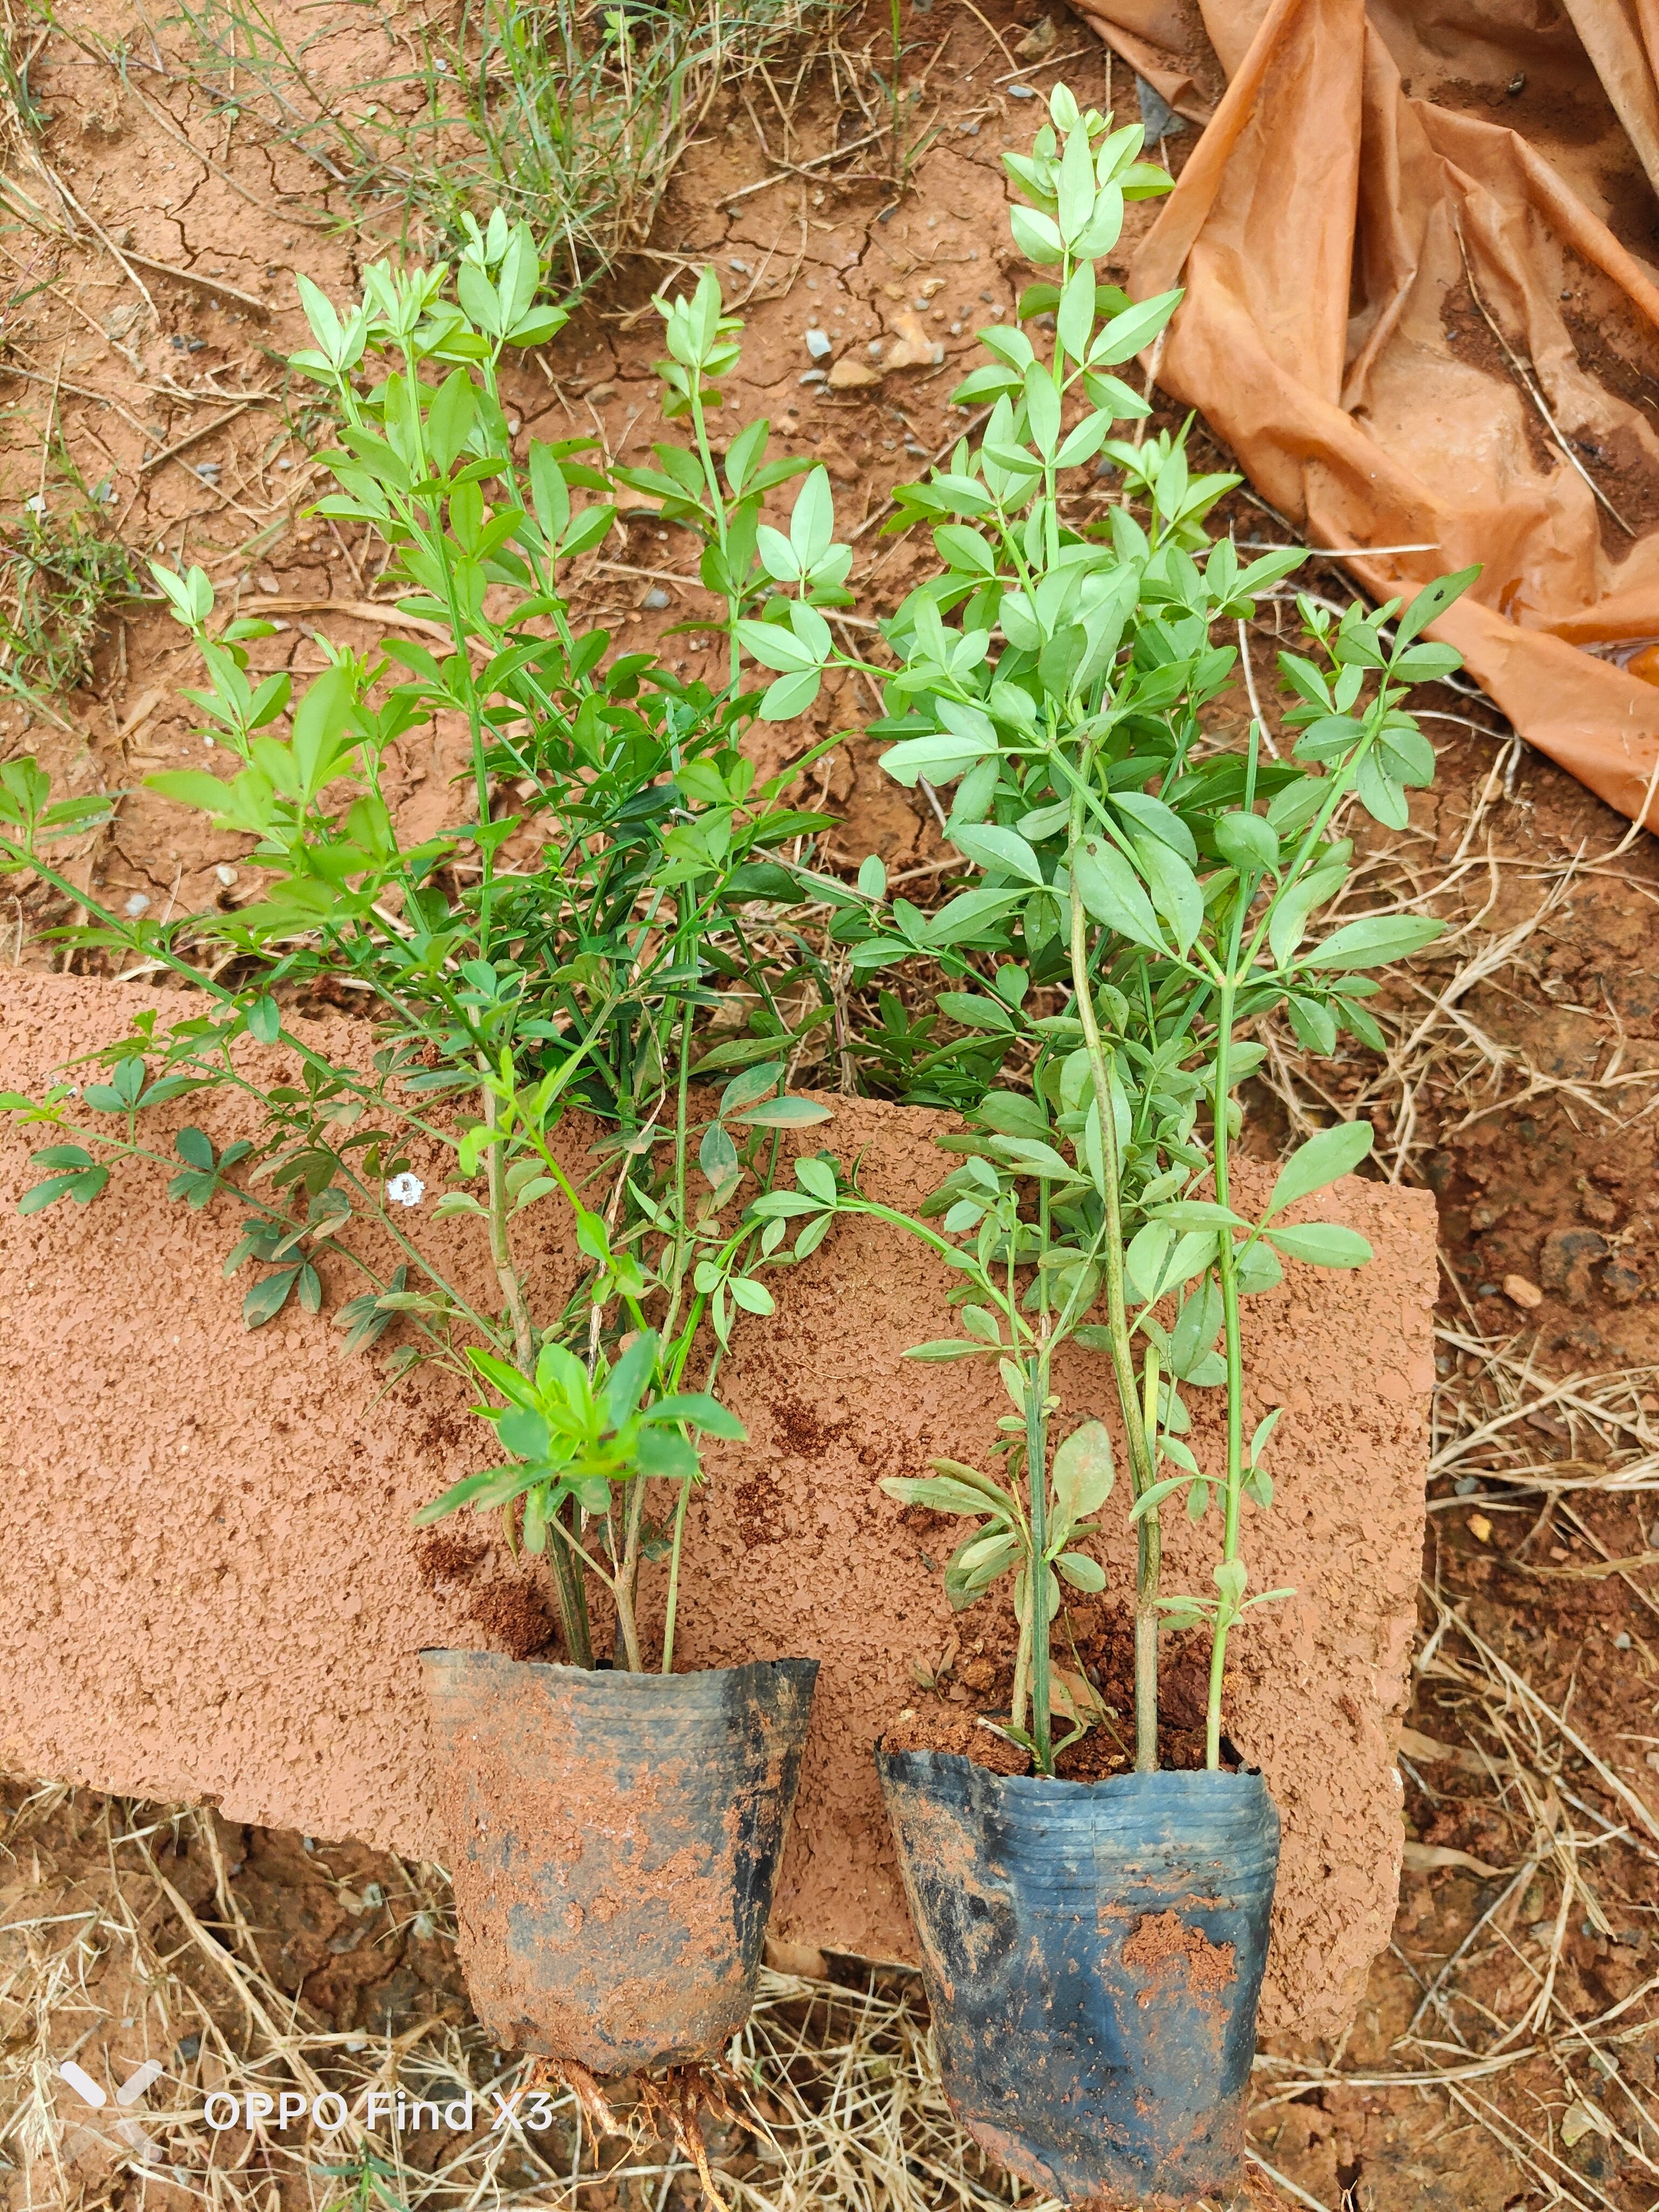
(1419, 245)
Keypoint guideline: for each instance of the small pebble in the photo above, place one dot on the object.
(1467, 1485)
(1021, 92)
(1621, 1642)
(874, 348)
(1520, 1292)
(226, 874)
(1481, 1528)
(818, 345)
(742, 267)
(656, 598)
(138, 904)
(813, 376)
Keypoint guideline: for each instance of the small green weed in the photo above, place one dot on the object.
(573, 120)
(60, 573)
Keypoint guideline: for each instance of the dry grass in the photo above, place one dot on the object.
(575, 119)
(829, 2097)
(1570, 2074)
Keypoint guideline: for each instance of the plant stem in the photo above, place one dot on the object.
(569, 1592)
(681, 1119)
(1022, 1672)
(1148, 1567)
(671, 1610)
(1227, 1276)
(1117, 1315)
(1036, 1578)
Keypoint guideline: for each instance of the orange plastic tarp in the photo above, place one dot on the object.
(1420, 250)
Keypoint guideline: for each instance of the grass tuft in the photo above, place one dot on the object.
(575, 119)
(60, 573)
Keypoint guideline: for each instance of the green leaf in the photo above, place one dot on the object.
(512, 1386)
(941, 759)
(1074, 317)
(1029, 1155)
(82, 1185)
(1137, 327)
(775, 646)
(1288, 919)
(812, 522)
(975, 1013)
(1175, 889)
(62, 1156)
(471, 1489)
(1374, 940)
(984, 1558)
(990, 846)
(940, 1494)
(817, 1178)
(785, 1113)
(1333, 1153)
(1113, 893)
(1250, 843)
(1431, 602)
(1321, 1244)
(812, 1236)
(965, 550)
(789, 697)
(265, 1020)
(1037, 235)
(524, 1431)
(752, 1084)
(193, 1146)
(1084, 1470)
(670, 1458)
(754, 1297)
(717, 1156)
(945, 1347)
(1081, 1571)
(782, 1205)
(701, 1411)
(1425, 663)
(269, 1296)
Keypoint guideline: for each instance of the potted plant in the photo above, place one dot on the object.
(1147, 893)
(549, 985)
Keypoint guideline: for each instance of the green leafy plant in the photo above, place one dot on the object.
(1166, 885)
(589, 965)
(61, 571)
